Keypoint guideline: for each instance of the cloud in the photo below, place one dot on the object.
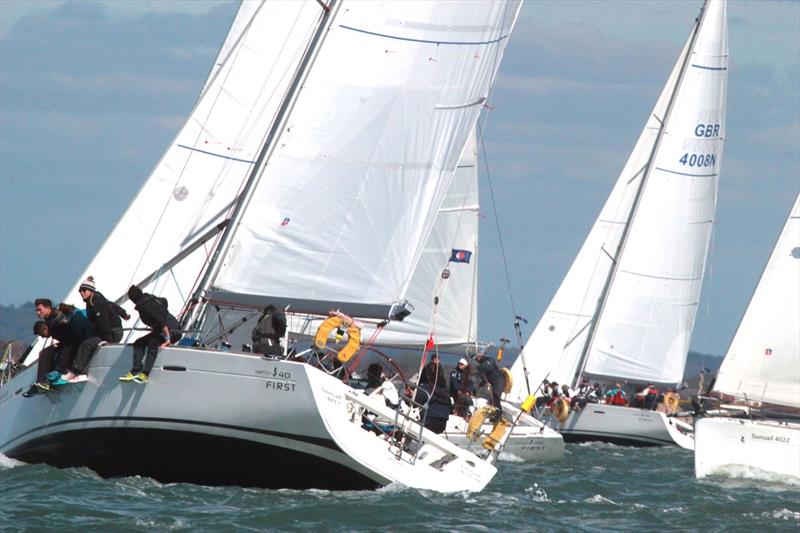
(89, 99)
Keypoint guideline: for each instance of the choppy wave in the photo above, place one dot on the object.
(783, 514)
(743, 472)
(595, 488)
(8, 462)
(597, 498)
(509, 457)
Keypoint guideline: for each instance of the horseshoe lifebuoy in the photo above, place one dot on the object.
(560, 409)
(476, 421)
(671, 402)
(353, 337)
(509, 380)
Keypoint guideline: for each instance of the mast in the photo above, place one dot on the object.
(195, 307)
(645, 172)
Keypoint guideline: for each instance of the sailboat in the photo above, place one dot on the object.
(759, 434)
(626, 308)
(307, 176)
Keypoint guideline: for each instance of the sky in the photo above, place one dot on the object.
(91, 94)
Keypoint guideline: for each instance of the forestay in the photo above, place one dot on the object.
(350, 195)
(763, 361)
(645, 308)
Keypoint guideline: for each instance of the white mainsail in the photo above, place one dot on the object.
(763, 360)
(657, 223)
(376, 135)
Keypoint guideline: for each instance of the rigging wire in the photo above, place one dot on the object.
(497, 220)
(517, 317)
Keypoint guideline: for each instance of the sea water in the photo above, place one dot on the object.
(596, 487)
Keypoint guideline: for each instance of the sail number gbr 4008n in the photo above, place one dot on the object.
(702, 160)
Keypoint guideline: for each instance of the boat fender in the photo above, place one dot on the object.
(353, 337)
(476, 421)
(560, 409)
(671, 402)
(509, 380)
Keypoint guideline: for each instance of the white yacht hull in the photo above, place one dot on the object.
(624, 425)
(741, 447)
(530, 440)
(220, 418)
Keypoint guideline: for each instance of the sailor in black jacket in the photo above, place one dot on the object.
(432, 393)
(105, 319)
(166, 330)
(269, 331)
(490, 372)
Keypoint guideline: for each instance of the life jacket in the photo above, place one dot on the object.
(618, 398)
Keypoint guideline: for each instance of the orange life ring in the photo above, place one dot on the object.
(476, 421)
(671, 402)
(353, 337)
(509, 380)
(560, 409)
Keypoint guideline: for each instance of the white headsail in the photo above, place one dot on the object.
(763, 360)
(626, 308)
(347, 201)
